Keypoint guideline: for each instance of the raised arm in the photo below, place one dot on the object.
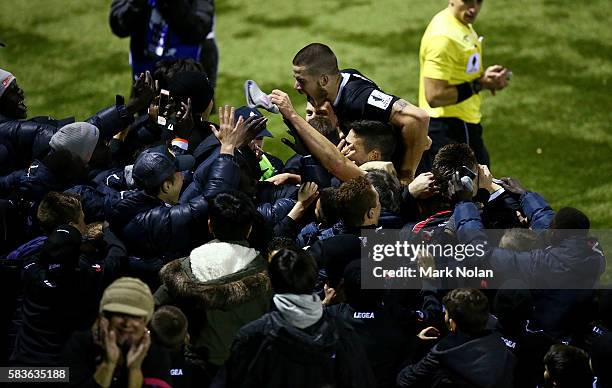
(322, 149)
(413, 124)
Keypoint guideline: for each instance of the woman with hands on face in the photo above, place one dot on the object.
(118, 352)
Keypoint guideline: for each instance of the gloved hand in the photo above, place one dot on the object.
(297, 146)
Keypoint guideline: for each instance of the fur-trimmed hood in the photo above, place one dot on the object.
(245, 284)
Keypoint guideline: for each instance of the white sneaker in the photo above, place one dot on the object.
(256, 98)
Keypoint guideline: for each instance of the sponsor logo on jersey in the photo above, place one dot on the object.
(379, 99)
(363, 315)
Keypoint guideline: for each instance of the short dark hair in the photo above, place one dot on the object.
(388, 188)
(166, 69)
(571, 218)
(568, 366)
(519, 239)
(324, 126)
(292, 272)
(318, 59)
(231, 215)
(448, 160)
(57, 209)
(169, 326)
(469, 308)
(279, 243)
(376, 135)
(329, 206)
(355, 198)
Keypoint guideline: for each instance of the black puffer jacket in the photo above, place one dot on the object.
(29, 139)
(152, 229)
(270, 352)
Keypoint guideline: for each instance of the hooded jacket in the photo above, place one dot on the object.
(465, 361)
(271, 352)
(221, 286)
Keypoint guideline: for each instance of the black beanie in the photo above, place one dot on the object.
(195, 85)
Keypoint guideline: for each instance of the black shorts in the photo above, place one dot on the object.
(443, 131)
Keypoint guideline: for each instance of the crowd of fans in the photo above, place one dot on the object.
(139, 253)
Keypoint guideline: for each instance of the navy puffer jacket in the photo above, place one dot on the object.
(152, 229)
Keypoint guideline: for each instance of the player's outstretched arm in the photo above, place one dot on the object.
(322, 149)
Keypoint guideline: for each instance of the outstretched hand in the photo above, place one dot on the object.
(143, 92)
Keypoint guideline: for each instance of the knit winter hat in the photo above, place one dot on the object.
(128, 296)
(79, 138)
(5, 80)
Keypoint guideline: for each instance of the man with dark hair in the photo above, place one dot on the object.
(326, 110)
(452, 77)
(327, 221)
(166, 69)
(354, 97)
(222, 285)
(58, 208)
(169, 330)
(298, 344)
(359, 203)
(358, 207)
(368, 141)
(567, 367)
(279, 243)
(470, 355)
(389, 190)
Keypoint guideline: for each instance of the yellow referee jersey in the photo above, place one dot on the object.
(451, 51)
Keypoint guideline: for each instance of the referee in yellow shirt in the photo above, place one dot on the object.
(452, 77)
